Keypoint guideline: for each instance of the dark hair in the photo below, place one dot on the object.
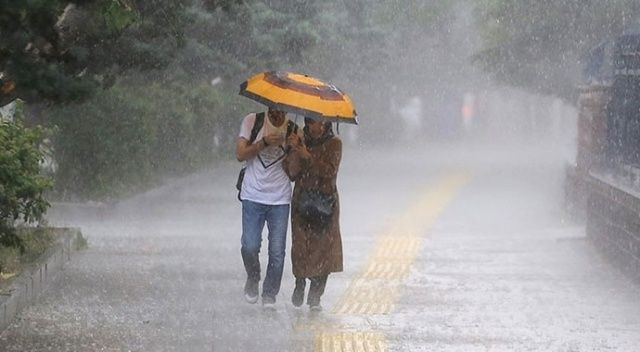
(327, 125)
(326, 135)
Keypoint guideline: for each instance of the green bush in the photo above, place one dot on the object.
(21, 183)
(35, 241)
(101, 145)
(126, 138)
(9, 260)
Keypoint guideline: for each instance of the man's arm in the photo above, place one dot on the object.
(246, 151)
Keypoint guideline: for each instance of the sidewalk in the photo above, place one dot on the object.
(496, 269)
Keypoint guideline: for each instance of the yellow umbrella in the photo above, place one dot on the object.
(300, 94)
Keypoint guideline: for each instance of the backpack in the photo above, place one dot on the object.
(257, 125)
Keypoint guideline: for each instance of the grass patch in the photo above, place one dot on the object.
(36, 241)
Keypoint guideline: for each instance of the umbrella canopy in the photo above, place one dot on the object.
(300, 94)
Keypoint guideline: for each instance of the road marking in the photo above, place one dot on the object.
(350, 341)
(376, 289)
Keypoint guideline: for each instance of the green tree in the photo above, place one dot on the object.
(159, 114)
(145, 127)
(62, 51)
(22, 185)
(539, 45)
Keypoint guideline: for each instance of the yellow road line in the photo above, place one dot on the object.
(376, 289)
(393, 255)
(350, 341)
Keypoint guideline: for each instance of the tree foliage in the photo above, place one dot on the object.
(140, 129)
(60, 51)
(21, 183)
(539, 45)
(129, 82)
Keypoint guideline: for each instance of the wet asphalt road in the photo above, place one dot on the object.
(485, 263)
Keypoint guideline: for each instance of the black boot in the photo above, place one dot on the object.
(298, 293)
(316, 289)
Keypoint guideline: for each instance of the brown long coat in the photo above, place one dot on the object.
(314, 253)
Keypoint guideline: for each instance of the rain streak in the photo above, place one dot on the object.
(326, 176)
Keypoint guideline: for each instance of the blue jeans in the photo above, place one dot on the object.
(254, 215)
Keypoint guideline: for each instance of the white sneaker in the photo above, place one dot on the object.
(317, 308)
(269, 303)
(251, 291)
(251, 299)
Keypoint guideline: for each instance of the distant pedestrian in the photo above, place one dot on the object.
(265, 196)
(316, 242)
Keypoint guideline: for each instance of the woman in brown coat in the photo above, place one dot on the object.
(316, 242)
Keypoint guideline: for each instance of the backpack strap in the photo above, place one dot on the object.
(257, 125)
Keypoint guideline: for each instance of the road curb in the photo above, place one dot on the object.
(26, 287)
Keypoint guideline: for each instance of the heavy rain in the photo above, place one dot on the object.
(442, 175)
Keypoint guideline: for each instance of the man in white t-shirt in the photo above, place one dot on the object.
(265, 195)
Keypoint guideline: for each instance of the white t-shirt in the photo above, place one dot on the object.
(265, 181)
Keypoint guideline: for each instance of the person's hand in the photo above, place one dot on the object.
(274, 139)
(302, 150)
(296, 146)
(294, 140)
